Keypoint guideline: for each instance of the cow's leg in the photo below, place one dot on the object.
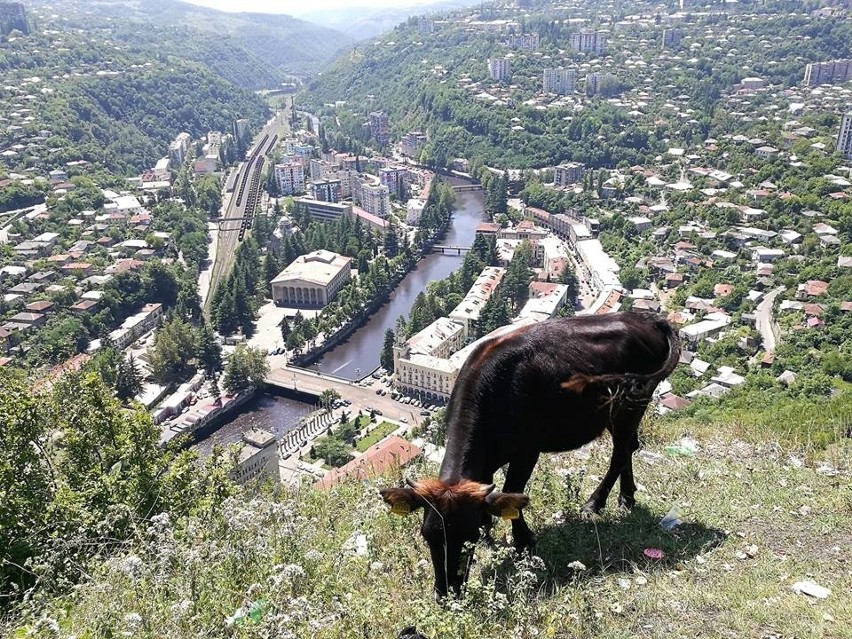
(517, 475)
(627, 486)
(624, 440)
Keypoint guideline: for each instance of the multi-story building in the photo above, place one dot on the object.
(671, 38)
(303, 151)
(844, 137)
(324, 211)
(396, 179)
(599, 83)
(422, 364)
(325, 190)
(179, 148)
(375, 199)
(258, 458)
(379, 127)
(830, 72)
(425, 25)
(13, 16)
(588, 42)
(525, 41)
(412, 144)
(468, 312)
(311, 280)
(500, 69)
(290, 176)
(560, 81)
(568, 173)
(241, 128)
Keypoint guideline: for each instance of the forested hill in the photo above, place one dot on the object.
(251, 50)
(438, 81)
(117, 107)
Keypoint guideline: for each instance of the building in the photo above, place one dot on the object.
(325, 190)
(588, 42)
(844, 136)
(599, 83)
(312, 280)
(545, 300)
(303, 151)
(290, 176)
(162, 170)
(136, 326)
(258, 458)
(500, 69)
(378, 459)
(671, 38)
(324, 211)
(560, 81)
(468, 312)
(412, 144)
(13, 16)
(241, 128)
(396, 179)
(524, 41)
(600, 270)
(422, 365)
(413, 210)
(379, 127)
(568, 174)
(179, 148)
(375, 199)
(830, 72)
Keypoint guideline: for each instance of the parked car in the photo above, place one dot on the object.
(377, 411)
(425, 413)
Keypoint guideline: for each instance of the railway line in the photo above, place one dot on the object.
(242, 207)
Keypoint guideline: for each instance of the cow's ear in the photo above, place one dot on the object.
(401, 500)
(506, 505)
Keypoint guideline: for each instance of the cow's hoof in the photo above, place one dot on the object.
(528, 546)
(626, 501)
(590, 509)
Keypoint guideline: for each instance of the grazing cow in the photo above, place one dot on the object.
(548, 387)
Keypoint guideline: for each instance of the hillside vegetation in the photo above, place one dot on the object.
(757, 518)
(280, 43)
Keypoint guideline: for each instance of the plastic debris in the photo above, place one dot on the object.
(672, 519)
(811, 589)
(654, 553)
(686, 447)
(254, 613)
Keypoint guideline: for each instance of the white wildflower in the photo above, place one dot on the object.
(46, 626)
(313, 555)
(131, 565)
(577, 565)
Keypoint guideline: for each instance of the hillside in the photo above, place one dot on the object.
(280, 42)
(115, 108)
(757, 518)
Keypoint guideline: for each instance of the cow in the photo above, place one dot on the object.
(547, 387)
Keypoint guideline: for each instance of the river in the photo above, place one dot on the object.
(359, 355)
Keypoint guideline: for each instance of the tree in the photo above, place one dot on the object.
(285, 329)
(245, 367)
(327, 398)
(174, 344)
(128, 380)
(334, 451)
(386, 357)
(569, 278)
(209, 351)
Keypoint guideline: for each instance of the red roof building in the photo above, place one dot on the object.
(393, 452)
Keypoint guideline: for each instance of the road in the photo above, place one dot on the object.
(361, 396)
(765, 321)
(239, 206)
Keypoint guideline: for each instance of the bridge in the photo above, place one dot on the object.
(445, 248)
(460, 188)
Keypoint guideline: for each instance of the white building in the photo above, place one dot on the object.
(844, 137)
(568, 173)
(311, 280)
(525, 41)
(468, 311)
(588, 41)
(414, 209)
(422, 364)
(560, 81)
(375, 199)
(600, 270)
(290, 176)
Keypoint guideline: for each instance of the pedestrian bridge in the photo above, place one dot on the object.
(451, 250)
(460, 188)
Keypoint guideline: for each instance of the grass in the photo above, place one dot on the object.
(757, 518)
(375, 436)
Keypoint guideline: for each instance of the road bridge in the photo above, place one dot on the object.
(446, 248)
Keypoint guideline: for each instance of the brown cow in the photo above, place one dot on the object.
(548, 387)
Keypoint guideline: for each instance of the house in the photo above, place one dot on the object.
(30, 319)
(391, 453)
(811, 288)
(669, 403)
(673, 280)
(42, 306)
(85, 306)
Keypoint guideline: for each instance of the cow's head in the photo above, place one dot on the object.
(453, 516)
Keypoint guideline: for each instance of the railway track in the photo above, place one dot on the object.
(243, 208)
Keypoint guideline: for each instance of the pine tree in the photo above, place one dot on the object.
(386, 357)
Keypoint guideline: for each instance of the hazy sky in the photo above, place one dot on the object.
(297, 7)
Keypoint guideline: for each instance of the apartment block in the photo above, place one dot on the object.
(560, 81)
(588, 42)
(500, 69)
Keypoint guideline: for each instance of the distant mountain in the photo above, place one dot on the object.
(361, 22)
(284, 43)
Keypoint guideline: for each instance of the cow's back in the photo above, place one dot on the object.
(511, 391)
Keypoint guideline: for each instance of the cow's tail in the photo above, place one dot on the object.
(637, 383)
